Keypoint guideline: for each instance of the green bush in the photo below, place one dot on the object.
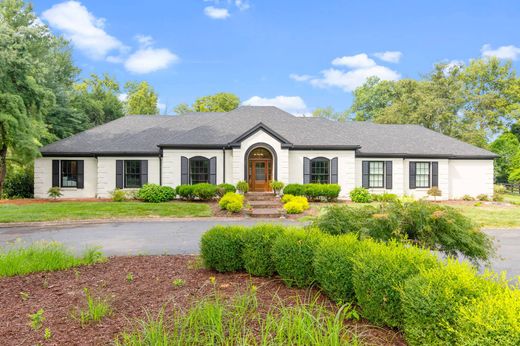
(293, 254)
(431, 300)
(341, 219)
(204, 191)
(243, 186)
(333, 266)
(491, 319)
(467, 198)
(118, 195)
(19, 184)
(296, 205)
(483, 197)
(222, 189)
(293, 189)
(380, 271)
(360, 195)
(154, 193)
(385, 197)
(499, 189)
(54, 192)
(185, 192)
(314, 192)
(258, 243)
(232, 202)
(221, 248)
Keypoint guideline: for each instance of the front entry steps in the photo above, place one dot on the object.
(264, 205)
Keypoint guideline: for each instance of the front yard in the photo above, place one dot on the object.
(82, 210)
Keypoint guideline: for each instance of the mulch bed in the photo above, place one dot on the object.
(61, 293)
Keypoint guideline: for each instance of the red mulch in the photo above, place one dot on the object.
(61, 293)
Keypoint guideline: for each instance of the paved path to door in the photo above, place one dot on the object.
(182, 237)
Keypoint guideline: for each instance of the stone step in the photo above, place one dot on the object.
(267, 212)
(260, 196)
(265, 204)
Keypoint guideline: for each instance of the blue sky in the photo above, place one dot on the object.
(298, 55)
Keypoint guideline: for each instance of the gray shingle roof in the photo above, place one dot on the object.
(141, 134)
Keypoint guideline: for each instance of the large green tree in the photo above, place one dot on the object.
(141, 99)
(28, 68)
(473, 103)
(329, 113)
(98, 99)
(220, 102)
(507, 147)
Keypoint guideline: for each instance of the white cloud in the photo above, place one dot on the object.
(216, 13)
(350, 80)
(242, 5)
(354, 61)
(146, 60)
(389, 56)
(300, 77)
(504, 52)
(291, 104)
(144, 40)
(84, 30)
(122, 97)
(359, 68)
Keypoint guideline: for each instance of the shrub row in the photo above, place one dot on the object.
(314, 192)
(428, 224)
(434, 302)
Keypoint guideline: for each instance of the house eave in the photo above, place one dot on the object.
(426, 156)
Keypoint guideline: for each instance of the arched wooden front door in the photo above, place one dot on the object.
(260, 169)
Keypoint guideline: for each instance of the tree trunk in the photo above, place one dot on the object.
(3, 167)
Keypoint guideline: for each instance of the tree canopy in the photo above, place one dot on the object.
(141, 98)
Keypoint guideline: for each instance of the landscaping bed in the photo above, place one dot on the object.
(133, 286)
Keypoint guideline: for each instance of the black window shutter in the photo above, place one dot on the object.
(81, 174)
(388, 175)
(435, 174)
(306, 170)
(120, 166)
(213, 170)
(55, 173)
(364, 174)
(184, 171)
(144, 172)
(334, 171)
(411, 178)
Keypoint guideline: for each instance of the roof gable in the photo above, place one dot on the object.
(260, 127)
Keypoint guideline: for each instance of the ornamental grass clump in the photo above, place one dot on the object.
(333, 266)
(432, 299)
(380, 272)
(257, 246)
(221, 248)
(293, 254)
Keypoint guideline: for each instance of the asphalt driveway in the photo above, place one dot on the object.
(182, 237)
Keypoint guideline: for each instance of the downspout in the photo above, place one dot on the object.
(160, 166)
(224, 164)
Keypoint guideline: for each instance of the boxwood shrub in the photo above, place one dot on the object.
(258, 243)
(333, 266)
(491, 319)
(221, 248)
(341, 219)
(296, 205)
(314, 192)
(202, 191)
(432, 299)
(360, 195)
(293, 254)
(154, 193)
(185, 192)
(380, 271)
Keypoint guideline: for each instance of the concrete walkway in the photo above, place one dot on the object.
(183, 236)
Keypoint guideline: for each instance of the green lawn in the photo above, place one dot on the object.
(515, 199)
(493, 216)
(54, 211)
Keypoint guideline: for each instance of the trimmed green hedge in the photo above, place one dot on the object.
(258, 243)
(202, 191)
(232, 202)
(293, 254)
(333, 266)
(434, 302)
(380, 271)
(221, 248)
(314, 192)
(431, 302)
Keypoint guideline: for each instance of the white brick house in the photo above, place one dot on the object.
(261, 144)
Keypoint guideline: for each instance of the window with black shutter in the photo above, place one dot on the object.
(320, 171)
(132, 175)
(199, 170)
